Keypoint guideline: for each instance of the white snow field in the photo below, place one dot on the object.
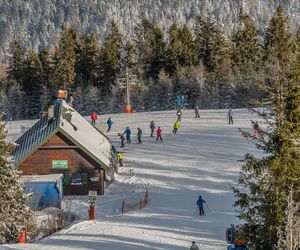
(202, 159)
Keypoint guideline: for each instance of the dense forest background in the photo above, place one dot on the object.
(215, 64)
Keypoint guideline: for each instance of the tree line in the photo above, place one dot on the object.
(212, 70)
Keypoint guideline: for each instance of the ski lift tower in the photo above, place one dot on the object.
(125, 82)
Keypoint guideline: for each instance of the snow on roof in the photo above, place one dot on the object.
(74, 125)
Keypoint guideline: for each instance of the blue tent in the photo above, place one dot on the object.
(43, 190)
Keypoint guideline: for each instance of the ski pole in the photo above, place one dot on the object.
(207, 207)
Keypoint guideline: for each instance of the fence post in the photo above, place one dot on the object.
(92, 212)
(123, 203)
(22, 236)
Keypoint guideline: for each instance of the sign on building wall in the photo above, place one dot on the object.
(59, 164)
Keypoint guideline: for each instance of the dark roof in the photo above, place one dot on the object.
(72, 125)
(37, 135)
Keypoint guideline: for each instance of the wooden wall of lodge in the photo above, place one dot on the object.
(58, 147)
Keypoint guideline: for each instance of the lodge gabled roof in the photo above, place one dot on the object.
(72, 125)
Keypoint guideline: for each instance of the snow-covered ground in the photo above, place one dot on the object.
(202, 159)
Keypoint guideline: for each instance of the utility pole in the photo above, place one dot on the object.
(127, 88)
(126, 82)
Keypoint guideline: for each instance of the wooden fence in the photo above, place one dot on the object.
(127, 207)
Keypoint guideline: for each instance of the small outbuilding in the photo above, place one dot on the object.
(64, 142)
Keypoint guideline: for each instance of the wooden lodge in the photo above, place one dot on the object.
(64, 142)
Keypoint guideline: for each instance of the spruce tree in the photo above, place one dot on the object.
(174, 50)
(87, 63)
(13, 209)
(188, 55)
(265, 183)
(110, 57)
(16, 63)
(65, 59)
(247, 50)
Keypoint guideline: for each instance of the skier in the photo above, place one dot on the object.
(94, 118)
(139, 135)
(230, 116)
(113, 149)
(128, 133)
(152, 127)
(179, 113)
(109, 124)
(200, 203)
(158, 133)
(197, 111)
(194, 246)
(256, 129)
(120, 158)
(122, 138)
(176, 127)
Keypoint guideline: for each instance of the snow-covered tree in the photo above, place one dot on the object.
(13, 209)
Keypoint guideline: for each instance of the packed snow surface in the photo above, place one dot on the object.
(202, 159)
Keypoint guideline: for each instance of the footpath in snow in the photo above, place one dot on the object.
(202, 159)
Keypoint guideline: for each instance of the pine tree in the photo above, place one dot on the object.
(65, 59)
(151, 48)
(87, 63)
(13, 209)
(264, 184)
(188, 55)
(247, 50)
(110, 57)
(174, 50)
(16, 63)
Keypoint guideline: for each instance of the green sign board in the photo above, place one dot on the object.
(59, 164)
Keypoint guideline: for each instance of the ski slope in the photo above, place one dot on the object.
(202, 159)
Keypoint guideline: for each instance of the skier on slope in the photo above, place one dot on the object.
(194, 246)
(179, 114)
(128, 133)
(139, 135)
(197, 111)
(200, 204)
(177, 125)
(94, 118)
(120, 158)
(230, 116)
(152, 127)
(122, 138)
(158, 134)
(109, 124)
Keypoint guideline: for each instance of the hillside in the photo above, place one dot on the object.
(202, 159)
(37, 23)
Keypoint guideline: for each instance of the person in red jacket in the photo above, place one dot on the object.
(94, 118)
(158, 133)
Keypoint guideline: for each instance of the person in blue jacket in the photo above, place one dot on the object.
(109, 124)
(127, 132)
(139, 135)
(200, 204)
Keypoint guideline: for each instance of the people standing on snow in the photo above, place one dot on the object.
(109, 124)
(152, 127)
(230, 116)
(139, 135)
(120, 158)
(128, 133)
(122, 138)
(197, 111)
(94, 118)
(158, 134)
(200, 204)
(179, 113)
(256, 129)
(177, 125)
(194, 246)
